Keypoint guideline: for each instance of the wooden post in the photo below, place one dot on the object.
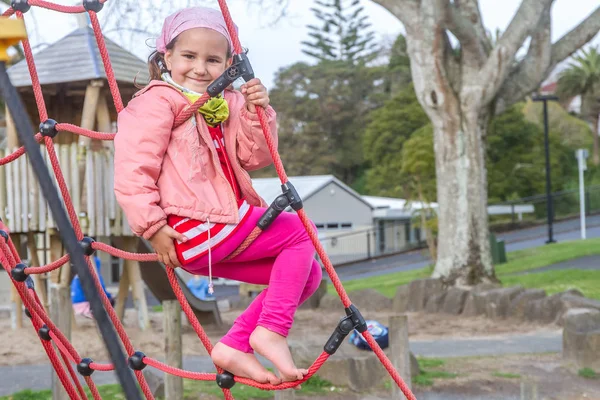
(56, 252)
(40, 281)
(400, 352)
(173, 348)
(16, 300)
(60, 313)
(132, 268)
(88, 121)
(12, 138)
(122, 295)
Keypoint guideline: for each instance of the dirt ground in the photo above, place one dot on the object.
(477, 376)
(312, 327)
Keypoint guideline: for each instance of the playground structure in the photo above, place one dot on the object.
(81, 246)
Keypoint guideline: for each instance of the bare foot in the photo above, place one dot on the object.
(244, 365)
(274, 348)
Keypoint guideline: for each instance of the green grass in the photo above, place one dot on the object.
(588, 373)
(108, 392)
(314, 385)
(386, 284)
(507, 375)
(430, 370)
(157, 308)
(523, 260)
(588, 282)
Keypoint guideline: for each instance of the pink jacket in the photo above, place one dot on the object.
(161, 171)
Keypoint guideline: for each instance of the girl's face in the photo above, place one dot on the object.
(198, 58)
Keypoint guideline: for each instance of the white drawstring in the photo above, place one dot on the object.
(211, 287)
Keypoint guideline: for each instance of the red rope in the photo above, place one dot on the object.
(35, 81)
(198, 376)
(124, 254)
(57, 7)
(85, 132)
(110, 75)
(18, 153)
(102, 367)
(47, 268)
(8, 12)
(93, 388)
(73, 376)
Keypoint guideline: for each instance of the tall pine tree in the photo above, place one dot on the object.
(344, 33)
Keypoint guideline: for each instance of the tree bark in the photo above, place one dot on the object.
(463, 253)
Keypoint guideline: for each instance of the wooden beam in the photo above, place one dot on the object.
(60, 313)
(40, 280)
(173, 348)
(12, 138)
(400, 352)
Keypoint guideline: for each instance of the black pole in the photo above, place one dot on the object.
(549, 202)
(67, 234)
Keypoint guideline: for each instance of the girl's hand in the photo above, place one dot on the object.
(162, 243)
(255, 94)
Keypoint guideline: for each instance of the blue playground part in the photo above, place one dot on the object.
(77, 295)
(379, 332)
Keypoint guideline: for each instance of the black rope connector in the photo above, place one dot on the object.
(4, 234)
(240, 68)
(20, 5)
(28, 313)
(18, 272)
(86, 245)
(276, 208)
(225, 380)
(84, 367)
(29, 282)
(357, 319)
(92, 5)
(292, 194)
(48, 128)
(44, 333)
(136, 361)
(336, 339)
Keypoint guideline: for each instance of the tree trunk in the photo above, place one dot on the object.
(463, 248)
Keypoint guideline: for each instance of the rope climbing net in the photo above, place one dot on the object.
(63, 356)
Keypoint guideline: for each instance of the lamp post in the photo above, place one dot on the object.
(549, 205)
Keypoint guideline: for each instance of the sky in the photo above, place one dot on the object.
(273, 46)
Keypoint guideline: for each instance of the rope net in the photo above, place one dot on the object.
(63, 355)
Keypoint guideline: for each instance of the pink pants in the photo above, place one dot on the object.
(281, 257)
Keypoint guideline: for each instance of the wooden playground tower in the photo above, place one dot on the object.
(76, 91)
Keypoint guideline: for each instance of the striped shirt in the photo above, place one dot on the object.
(198, 232)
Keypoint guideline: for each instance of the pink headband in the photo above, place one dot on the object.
(190, 18)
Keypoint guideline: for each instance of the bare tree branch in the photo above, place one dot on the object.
(405, 10)
(500, 60)
(470, 10)
(577, 37)
(534, 67)
(465, 31)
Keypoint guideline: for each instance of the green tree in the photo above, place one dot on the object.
(583, 78)
(321, 112)
(389, 127)
(343, 33)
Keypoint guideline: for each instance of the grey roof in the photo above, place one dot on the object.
(307, 186)
(76, 57)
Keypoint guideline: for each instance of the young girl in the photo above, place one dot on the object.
(187, 189)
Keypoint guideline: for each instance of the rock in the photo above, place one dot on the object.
(570, 301)
(400, 301)
(371, 299)
(155, 382)
(331, 302)
(498, 301)
(474, 304)
(314, 301)
(519, 304)
(548, 309)
(484, 287)
(414, 366)
(420, 290)
(581, 337)
(435, 303)
(365, 373)
(454, 301)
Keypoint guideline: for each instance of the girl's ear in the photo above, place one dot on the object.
(229, 62)
(168, 58)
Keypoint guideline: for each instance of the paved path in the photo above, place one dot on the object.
(37, 377)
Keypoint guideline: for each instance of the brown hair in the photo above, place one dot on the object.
(156, 62)
(157, 65)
